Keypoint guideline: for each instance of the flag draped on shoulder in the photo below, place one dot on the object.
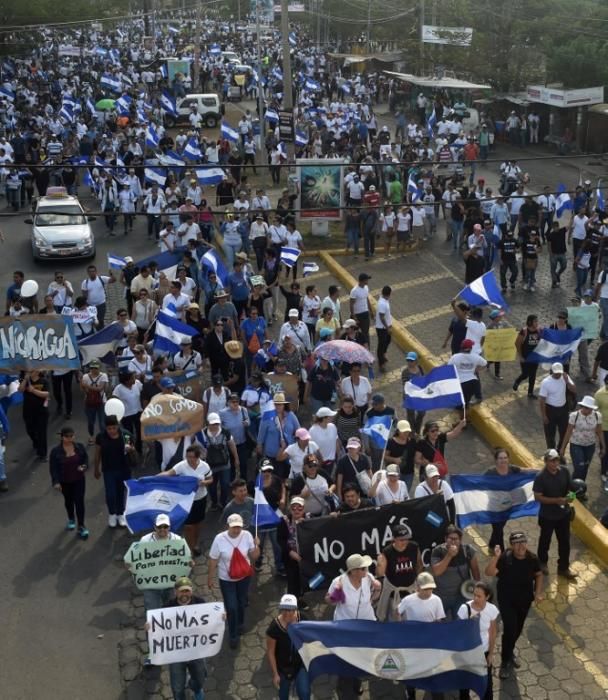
(378, 429)
(265, 516)
(440, 388)
(152, 495)
(556, 345)
(436, 658)
(483, 290)
(485, 499)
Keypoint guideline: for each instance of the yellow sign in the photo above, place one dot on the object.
(239, 80)
(499, 345)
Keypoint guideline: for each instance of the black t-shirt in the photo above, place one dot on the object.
(458, 329)
(531, 340)
(113, 455)
(508, 248)
(348, 468)
(516, 576)
(601, 355)
(273, 492)
(32, 403)
(596, 237)
(553, 486)
(492, 471)
(427, 449)
(557, 240)
(405, 452)
(323, 383)
(148, 390)
(363, 503)
(286, 655)
(529, 210)
(474, 267)
(401, 566)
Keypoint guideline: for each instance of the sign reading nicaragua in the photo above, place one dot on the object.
(38, 342)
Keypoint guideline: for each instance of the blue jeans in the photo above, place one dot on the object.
(235, 595)
(223, 479)
(581, 456)
(230, 251)
(452, 605)
(95, 413)
(177, 674)
(581, 279)
(271, 534)
(302, 683)
(156, 598)
(456, 234)
(115, 490)
(408, 480)
(352, 238)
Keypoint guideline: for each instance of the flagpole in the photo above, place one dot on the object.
(257, 508)
(385, 446)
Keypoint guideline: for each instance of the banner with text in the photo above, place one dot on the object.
(188, 383)
(170, 416)
(325, 543)
(158, 564)
(37, 342)
(185, 632)
(586, 317)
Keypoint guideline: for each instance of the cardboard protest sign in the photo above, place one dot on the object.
(586, 317)
(37, 342)
(170, 416)
(188, 383)
(185, 632)
(286, 383)
(158, 564)
(499, 345)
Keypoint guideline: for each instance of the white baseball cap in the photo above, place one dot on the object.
(213, 419)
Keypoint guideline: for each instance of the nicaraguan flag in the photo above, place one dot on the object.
(311, 84)
(152, 138)
(378, 430)
(9, 396)
(289, 256)
(167, 102)
(100, 51)
(67, 112)
(563, 201)
(293, 39)
(171, 159)
(170, 332)
(209, 176)
(124, 104)
(482, 500)
(436, 658)
(215, 50)
(228, 133)
(483, 290)
(271, 116)
(7, 93)
(440, 388)
(431, 122)
(301, 138)
(91, 106)
(412, 188)
(101, 345)
(555, 345)
(600, 203)
(192, 150)
(269, 410)
(115, 262)
(309, 268)
(115, 56)
(346, 88)
(156, 175)
(277, 73)
(163, 71)
(265, 516)
(152, 495)
(110, 82)
(212, 261)
(173, 30)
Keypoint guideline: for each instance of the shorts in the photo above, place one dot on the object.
(197, 512)
(403, 236)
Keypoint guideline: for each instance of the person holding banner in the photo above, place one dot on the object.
(502, 468)
(397, 567)
(35, 388)
(231, 557)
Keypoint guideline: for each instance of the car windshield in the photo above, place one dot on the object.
(68, 215)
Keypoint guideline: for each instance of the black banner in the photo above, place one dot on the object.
(325, 543)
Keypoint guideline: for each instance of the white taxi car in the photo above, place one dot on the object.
(60, 227)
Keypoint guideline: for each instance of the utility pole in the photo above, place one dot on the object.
(421, 37)
(369, 25)
(287, 87)
(319, 3)
(196, 69)
(259, 66)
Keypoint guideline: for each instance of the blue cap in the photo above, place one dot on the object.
(167, 383)
(588, 293)
(325, 332)
(411, 356)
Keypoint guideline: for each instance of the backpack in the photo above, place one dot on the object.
(239, 567)
(217, 453)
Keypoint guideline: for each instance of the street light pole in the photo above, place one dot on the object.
(369, 25)
(259, 63)
(287, 87)
(197, 48)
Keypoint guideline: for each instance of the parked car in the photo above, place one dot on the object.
(208, 106)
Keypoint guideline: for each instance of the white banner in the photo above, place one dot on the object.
(185, 632)
(457, 36)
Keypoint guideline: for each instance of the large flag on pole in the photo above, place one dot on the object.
(152, 495)
(482, 500)
(556, 345)
(440, 388)
(378, 430)
(265, 516)
(170, 332)
(436, 658)
(483, 290)
(101, 345)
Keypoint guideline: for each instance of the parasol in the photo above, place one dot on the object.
(106, 103)
(344, 351)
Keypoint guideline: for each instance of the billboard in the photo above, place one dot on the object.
(456, 36)
(321, 191)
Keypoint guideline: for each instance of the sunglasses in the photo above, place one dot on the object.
(162, 527)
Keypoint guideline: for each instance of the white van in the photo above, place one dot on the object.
(230, 57)
(207, 105)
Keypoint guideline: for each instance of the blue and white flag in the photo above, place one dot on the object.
(555, 345)
(484, 290)
(435, 658)
(269, 411)
(101, 345)
(111, 83)
(212, 261)
(413, 189)
(124, 104)
(228, 133)
(215, 50)
(431, 122)
(171, 159)
(173, 30)
(289, 256)
(277, 73)
(301, 138)
(482, 500)
(163, 71)
(440, 388)
(115, 56)
(100, 51)
(346, 88)
(91, 106)
(311, 84)
(192, 150)
(67, 112)
(9, 396)
(7, 93)
(152, 495)
(155, 175)
(170, 332)
(271, 116)
(265, 516)
(209, 176)
(167, 102)
(293, 39)
(600, 202)
(309, 268)
(152, 138)
(166, 262)
(115, 262)
(563, 201)
(378, 430)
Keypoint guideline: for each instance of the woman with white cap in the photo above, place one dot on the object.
(232, 555)
(389, 489)
(433, 484)
(297, 451)
(325, 434)
(286, 664)
(584, 429)
(401, 450)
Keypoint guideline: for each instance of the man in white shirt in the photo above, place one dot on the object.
(476, 330)
(418, 214)
(577, 232)
(384, 323)
(553, 403)
(167, 238)
(355, 189)
(61, 291)
(297, 330)
(176, 301)
(547, 201)
(447, 198)
(359, 306)
(467, 364)
(423, 605)
(515, 203)
(332, 301)
(93, 288)
(188, 231)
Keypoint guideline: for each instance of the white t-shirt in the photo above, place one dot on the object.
(130, 396)
(222, 547)
(476, 331)
(296, 456)
(202, 472)
(415, 609)
(357, 604)
(489, 613)
(553, 390)
(315, 503)
(95, 289)
(359, 393)
(466, 363)
(153, 537)
(578, 227)
(384, 495)
(418, 216)
(584, 430)
(383, 307)
(325, 438)
(310, 309)
(423, 489)
(359, 296)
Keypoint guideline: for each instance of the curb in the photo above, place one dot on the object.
(589, 530)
